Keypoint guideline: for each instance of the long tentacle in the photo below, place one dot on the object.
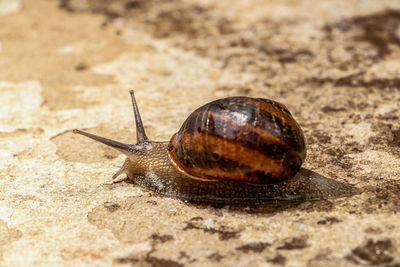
(140, 133)
(124, 148)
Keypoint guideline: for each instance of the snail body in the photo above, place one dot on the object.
(233, 151)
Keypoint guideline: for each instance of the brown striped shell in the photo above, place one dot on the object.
(246, 139)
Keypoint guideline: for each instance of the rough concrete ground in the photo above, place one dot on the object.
(69, 64)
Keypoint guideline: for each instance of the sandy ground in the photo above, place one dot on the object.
(69, 64)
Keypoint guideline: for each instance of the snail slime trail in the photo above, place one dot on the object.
(233, 151)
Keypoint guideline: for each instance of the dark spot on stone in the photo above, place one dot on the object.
(161, 238)
(338, 158)
(368, 116)
(353, 81)
(329, 109)
(301, 55)
(153, 202)
(299, 242)
(373, 230)
(148, 259)
(385, 197)
(329, 220)
(111, 207)
(319, 137)
(81, 67)
(395, 142)
(388, 116)
(99, 7)
(278, 259)
(215, 257)
(104, 24)
(157, 262)
(222, 234)
(133, 4)
(108, 156)
(118, 32)
(353, 147)
(355, 118)
(348, 80)
(285, 56)
(245, 91)
(382, 83)
(373, 252)
(126, 260)
(266, 84)
(378, 29)
(320, 80)
(190, 226)
(64, 4)
(387, 138)
(254, 247)
(181, 20)
(183, 255)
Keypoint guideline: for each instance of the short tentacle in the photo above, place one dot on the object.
(122, 170)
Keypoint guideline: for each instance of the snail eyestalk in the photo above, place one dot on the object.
(140, 133)
(124, 148)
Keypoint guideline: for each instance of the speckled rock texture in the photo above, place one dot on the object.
(69, 64)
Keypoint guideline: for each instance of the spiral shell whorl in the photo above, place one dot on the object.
(239, 138)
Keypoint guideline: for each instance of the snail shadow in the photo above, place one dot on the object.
(308, 191)
(266, 209)
(324, 205)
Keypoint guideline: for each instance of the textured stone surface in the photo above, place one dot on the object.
(69, 64)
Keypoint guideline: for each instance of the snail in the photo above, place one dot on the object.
(231, 151)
